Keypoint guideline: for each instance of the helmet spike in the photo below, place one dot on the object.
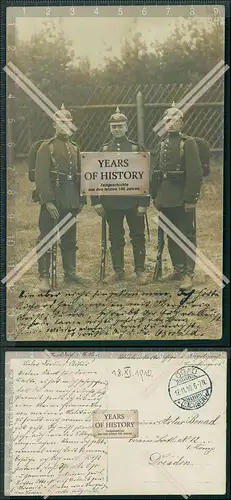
(118, 117)
(62, 114)
(173, 112)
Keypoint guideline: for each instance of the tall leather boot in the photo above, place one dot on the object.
(176, 275)
(69, 266)
(139, 261)
(117, 257)
(44, 271)
(178, 262)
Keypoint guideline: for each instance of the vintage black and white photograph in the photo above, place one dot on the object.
(115, 146)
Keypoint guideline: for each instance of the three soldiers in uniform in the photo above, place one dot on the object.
(175, 189)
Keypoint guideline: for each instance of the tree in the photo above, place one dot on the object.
(135, 64)
(190, 52)
(185, 56)
(47, 61)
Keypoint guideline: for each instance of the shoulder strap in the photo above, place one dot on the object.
(184, 138)
(54, 163)
(51, 148)
(77, 156)
(75, 146)
(182, 141)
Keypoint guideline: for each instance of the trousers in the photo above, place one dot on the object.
(185, 222)
(68, 239)
(115, 219)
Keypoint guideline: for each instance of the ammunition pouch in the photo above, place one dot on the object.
(158, 176)
(173, 176)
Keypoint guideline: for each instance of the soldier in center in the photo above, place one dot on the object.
(116, 208)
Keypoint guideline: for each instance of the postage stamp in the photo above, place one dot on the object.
(115, 423)
(190, 388)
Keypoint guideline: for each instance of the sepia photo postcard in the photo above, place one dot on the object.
(125, 423)
(115, 160)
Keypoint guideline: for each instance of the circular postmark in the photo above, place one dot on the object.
(190, 388)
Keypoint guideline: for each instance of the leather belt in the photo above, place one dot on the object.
(168, 175)
(68, 177)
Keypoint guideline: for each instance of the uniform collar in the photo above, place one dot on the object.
(173, 134)
(119, 140)
(62, 138)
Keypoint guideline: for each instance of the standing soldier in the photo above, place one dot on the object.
(115, 208)
(57, 179)
(176, 183)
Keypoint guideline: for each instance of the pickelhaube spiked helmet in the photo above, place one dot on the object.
(173, 112)
(62, 114)
(118, 117)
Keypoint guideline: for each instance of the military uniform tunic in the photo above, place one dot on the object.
(177, 180)
(119, 207)
(57, 174)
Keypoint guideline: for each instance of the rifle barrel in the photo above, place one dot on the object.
(147, 226)
(158, 267)
(54, 264)
(103, 248)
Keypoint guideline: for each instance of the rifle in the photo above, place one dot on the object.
(160, 247)
(54, 262)
(194, 220)
(103, 248)
(147, 226)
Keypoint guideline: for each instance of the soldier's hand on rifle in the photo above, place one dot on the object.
(141, 211)
(189, 207)
(52, 210)
(99, 210)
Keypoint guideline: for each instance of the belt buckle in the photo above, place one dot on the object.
(69, 177)
(164, 176)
